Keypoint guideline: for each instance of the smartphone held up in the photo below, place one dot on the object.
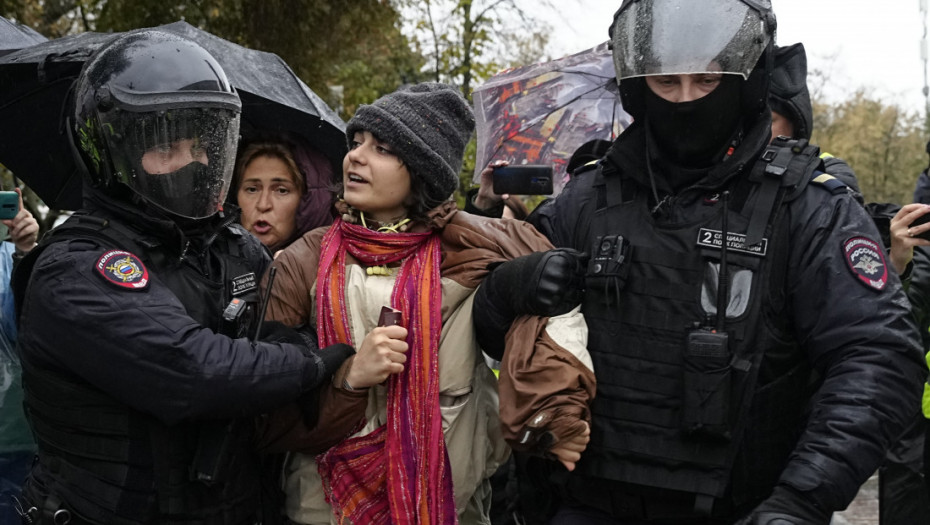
(923, 219)
(390, 316)
(522, 180)
(9, 204)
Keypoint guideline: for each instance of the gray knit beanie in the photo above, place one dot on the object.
(427, 126)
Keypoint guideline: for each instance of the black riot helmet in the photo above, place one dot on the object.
(676, 37)
(154, 113)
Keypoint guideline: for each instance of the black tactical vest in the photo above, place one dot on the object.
(123, 466)
(685, 400)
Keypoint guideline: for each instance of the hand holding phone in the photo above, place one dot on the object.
(9, 204)
(525, 179)
(23, 227)
(381, 354)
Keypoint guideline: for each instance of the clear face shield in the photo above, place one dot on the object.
(677, 37)
(181, 159)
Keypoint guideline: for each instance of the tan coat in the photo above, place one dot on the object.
(468, 390)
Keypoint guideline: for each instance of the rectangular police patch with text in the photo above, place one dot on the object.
(708, 238)
(244, 284)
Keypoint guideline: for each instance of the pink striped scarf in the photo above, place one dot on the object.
(400, 473)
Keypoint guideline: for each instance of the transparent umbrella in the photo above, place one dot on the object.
(541, 113)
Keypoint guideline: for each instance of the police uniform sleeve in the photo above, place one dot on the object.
(852, 319)
(140, 346)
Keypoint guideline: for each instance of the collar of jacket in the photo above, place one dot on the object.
(436, 219)
(151, 222)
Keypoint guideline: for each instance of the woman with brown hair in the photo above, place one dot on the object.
(283, 187)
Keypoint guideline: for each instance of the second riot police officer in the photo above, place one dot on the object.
(754, 352)
(141, 368)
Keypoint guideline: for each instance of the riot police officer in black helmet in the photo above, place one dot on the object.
(143, 362)
(754, 352)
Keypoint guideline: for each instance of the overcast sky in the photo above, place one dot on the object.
(858, 43)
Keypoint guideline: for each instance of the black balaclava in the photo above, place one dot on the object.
(695, 134)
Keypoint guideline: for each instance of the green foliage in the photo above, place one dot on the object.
(467, 41)
(53, 18)
(882, 143)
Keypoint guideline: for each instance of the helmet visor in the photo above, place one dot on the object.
(679, 37)
(181, 160)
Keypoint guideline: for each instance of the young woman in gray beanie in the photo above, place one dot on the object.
(410, 427)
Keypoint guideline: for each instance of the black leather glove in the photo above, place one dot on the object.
(787, 506)
(543, 283)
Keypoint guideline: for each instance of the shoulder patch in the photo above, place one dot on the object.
(123, 269)
(831, 183)
(866, 260)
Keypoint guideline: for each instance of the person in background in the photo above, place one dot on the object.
(922, 187)
(17, 448)
(401, 243)
(484, 202)
(793, 113)
(284, 188)
(904, 490)
(762, 357)
(586, 154)
(144, 365)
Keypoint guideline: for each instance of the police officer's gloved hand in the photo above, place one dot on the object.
(328, 359)
(543, 283)
(787, 506)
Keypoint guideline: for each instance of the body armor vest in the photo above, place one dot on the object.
(688, 400)
(126, 467)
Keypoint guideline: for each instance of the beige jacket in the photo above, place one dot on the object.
(468, 388)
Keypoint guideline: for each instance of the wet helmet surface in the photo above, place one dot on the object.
(154, 112)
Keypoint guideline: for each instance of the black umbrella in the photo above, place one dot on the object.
(35, 84)
(15, 36)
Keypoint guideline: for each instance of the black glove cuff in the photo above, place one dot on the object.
(786, 503)
(333, 356)
(495, 212)
(325, 362)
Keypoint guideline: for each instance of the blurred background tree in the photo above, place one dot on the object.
(466, 41)
(319, 39)
(884, 144)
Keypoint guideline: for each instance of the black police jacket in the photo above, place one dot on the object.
(820, 330)
(141, 406)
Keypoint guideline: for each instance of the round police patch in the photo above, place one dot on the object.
(123, 269)
(866, 260)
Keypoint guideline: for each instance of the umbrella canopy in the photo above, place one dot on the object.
(541, 113)
(35, 85)
(15, 36)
